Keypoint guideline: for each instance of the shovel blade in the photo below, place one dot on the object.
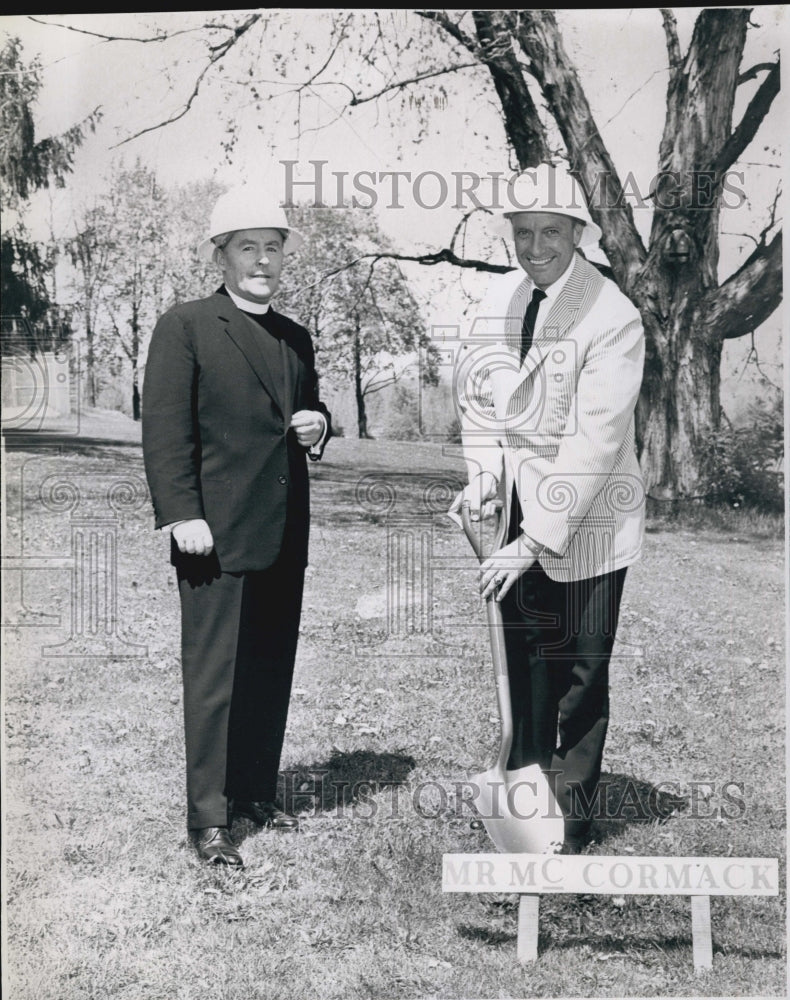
(519, 811)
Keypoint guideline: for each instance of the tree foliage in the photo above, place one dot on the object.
(134, 256)
(366, 323)
(518, 59)
(673, 279)
(746, 464)
(123, 263)
(292, 66)
(27, 165)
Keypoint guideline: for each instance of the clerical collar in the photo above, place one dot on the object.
(257, 308)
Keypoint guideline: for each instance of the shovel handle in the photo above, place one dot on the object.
(496, 632)
(474, 534)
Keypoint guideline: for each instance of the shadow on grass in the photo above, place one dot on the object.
(485, 935)
(629, 944)
(623, 800)
(357, 495)
(33, 441)
(632, 944)
(344, 778)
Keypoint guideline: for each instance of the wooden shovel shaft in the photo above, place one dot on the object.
(496, 634)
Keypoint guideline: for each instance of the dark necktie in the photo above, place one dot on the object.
(528, 324)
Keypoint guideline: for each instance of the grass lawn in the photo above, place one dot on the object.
(393, 706)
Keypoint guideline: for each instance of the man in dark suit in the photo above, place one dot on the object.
(230, 411)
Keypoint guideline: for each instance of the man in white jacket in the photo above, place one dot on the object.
(547, 383)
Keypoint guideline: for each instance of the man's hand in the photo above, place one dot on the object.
(194, 537)
(480, 495)
(309, 426)
(501, 570)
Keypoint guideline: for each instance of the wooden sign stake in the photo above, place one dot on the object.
(528, 914)
(701, 941)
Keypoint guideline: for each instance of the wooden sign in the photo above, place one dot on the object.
(611, 876)
(531, 875)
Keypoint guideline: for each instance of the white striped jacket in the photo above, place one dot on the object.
(561, 425)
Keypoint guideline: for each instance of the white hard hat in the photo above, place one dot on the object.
(547, 188)
(247, 207)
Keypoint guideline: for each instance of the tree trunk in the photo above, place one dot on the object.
(680, 405)
(90, 363)
(673, 282)
(362, 416)
(679, 408)
(136, 409)
(134, 356)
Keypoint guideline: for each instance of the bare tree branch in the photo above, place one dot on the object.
(441, 18)
(173, 118)
(373, 386)
(753, 358)
(772, 216)
(445, 256)
(340, 39)
(338, 115)
(754, 72)
(751, 121)
(673, 44)
(400, 84)
(539, 37)
(312, 82)
(217, 52)
(163, 37)
(365, 287)
(522, 121)
(748, 297)
(493, 47)
(461, 227)
(631, 96)
(762, 238)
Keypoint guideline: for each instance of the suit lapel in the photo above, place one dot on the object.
(571, 306)
(263, 353)
(515, 314)
(573, 302)
(288, 361)
(568, 309)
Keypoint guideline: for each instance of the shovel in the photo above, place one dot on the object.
(517, 808)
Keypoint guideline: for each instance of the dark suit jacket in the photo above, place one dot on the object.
(218, 398)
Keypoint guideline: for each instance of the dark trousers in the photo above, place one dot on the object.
(559, 638)
(238, 645)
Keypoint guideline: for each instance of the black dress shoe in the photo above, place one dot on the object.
(215, 845)
(266, 814)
